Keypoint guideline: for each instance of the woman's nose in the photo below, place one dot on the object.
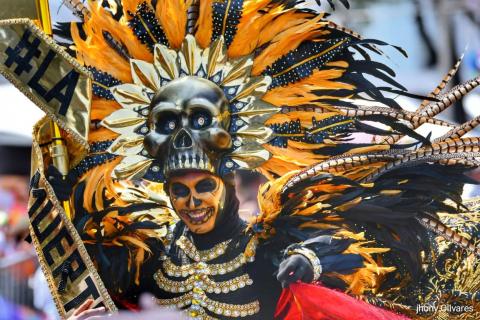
(194, 202)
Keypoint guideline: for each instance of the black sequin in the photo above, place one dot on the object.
(226, 16)
(146, 26)
(301, 62)
(102, 81)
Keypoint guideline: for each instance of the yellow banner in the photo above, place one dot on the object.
(48, 76)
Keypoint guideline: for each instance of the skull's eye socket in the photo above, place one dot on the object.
(180, 190)
(200, 119)
(167, 123)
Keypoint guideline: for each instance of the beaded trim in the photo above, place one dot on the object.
(198, 283)
(213, 269)
(197, 255)
(206, 283)
(312, 258)
(198, 302)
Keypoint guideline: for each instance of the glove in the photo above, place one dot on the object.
(295, 268)
(62, 186)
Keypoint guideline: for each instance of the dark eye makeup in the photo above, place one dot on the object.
(180, 190)
(206, 185)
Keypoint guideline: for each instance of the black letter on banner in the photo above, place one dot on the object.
(90, 291)
(68, 83)
(56, 243)
(66, 268)
(23, 63)
(33, 83)
(52, 225)
(39, 194)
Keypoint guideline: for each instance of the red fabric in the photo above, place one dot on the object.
(125, 304)
(303, 301)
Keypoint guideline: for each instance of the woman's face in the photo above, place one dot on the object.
(198, 199)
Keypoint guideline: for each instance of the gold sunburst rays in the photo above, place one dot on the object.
(132, 96)
(256, 110)
(216, 56)
(165, 61)
(255, 133)
(132, 167)
(250, 156)
(145, 74)
(123, 121)
(232, 76)
(190, 57)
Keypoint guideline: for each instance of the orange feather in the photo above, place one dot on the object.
(287, 41)
(130, 6)
(173, 18)
(204, 23)
(285, 21)
(95, 52)
(256, 15)
(301, 92)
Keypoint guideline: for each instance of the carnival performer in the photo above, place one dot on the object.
(188, 92)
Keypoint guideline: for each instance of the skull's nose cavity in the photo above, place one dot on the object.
(183, 140)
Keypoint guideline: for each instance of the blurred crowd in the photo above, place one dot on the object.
(24, 292)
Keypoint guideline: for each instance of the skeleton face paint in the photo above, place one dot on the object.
(188, 124)
(198, 199)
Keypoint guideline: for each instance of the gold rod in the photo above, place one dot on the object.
(59, 154)
(58, 149)
(43, 9)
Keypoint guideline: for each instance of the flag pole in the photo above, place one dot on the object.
(44, 17)
(58, 149)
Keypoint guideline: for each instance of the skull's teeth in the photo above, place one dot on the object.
(190, 160)
(184, 159)
(193, 159)
(187, 163)
(205, 160)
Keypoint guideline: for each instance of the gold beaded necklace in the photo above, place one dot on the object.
(197, 282)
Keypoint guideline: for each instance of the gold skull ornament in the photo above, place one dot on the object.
(188, 123)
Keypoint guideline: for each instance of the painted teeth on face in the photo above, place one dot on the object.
(198, 216)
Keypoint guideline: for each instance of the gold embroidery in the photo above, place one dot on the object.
(205, 255)
(201, 280)
(213, 269)
(198, 302)
(198, 282)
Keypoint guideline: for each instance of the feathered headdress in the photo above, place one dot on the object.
(294, 86)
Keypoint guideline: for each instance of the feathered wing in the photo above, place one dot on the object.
(401, 207)
(119, 223)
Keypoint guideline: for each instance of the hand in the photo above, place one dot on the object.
(84, 312)
(61, 186)
(150, 311)
(295, 268)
